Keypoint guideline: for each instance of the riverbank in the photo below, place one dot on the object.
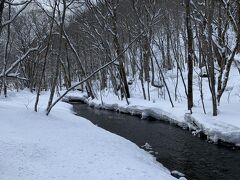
(224, 128)
(175, 148)
(63, 146)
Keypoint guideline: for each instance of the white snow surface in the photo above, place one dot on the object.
(63, 146)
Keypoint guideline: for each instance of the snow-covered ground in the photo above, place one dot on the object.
(224, 127)
(62, 146)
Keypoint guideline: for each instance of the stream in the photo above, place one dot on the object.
(175, 148)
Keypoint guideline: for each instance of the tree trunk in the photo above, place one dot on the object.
(118, 49)
(190, 55)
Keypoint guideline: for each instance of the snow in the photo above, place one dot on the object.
(224, 127)
(177, 173)
(63, 146)
(147, 146)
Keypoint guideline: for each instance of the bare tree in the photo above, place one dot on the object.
(190, 55)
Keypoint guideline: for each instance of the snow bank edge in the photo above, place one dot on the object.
(188, 122)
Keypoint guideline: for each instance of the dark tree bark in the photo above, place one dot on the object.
(118, 49)
(190, 54)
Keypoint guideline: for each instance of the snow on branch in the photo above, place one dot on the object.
(16, 75)
(22, 58)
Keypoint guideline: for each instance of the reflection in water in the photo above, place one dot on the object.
(175, 148)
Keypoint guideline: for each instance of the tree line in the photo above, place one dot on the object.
(55, 45)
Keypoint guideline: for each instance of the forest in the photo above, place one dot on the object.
(176, 60)
(53, 45)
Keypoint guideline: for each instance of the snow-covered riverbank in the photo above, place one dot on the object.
(223, 128)
(63, 146)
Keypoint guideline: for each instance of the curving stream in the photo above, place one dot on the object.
(175, 148)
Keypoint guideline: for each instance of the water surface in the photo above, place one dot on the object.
(175, 148)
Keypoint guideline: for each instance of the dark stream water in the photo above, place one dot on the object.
(175, 148)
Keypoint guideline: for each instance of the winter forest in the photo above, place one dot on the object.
(176, 61)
